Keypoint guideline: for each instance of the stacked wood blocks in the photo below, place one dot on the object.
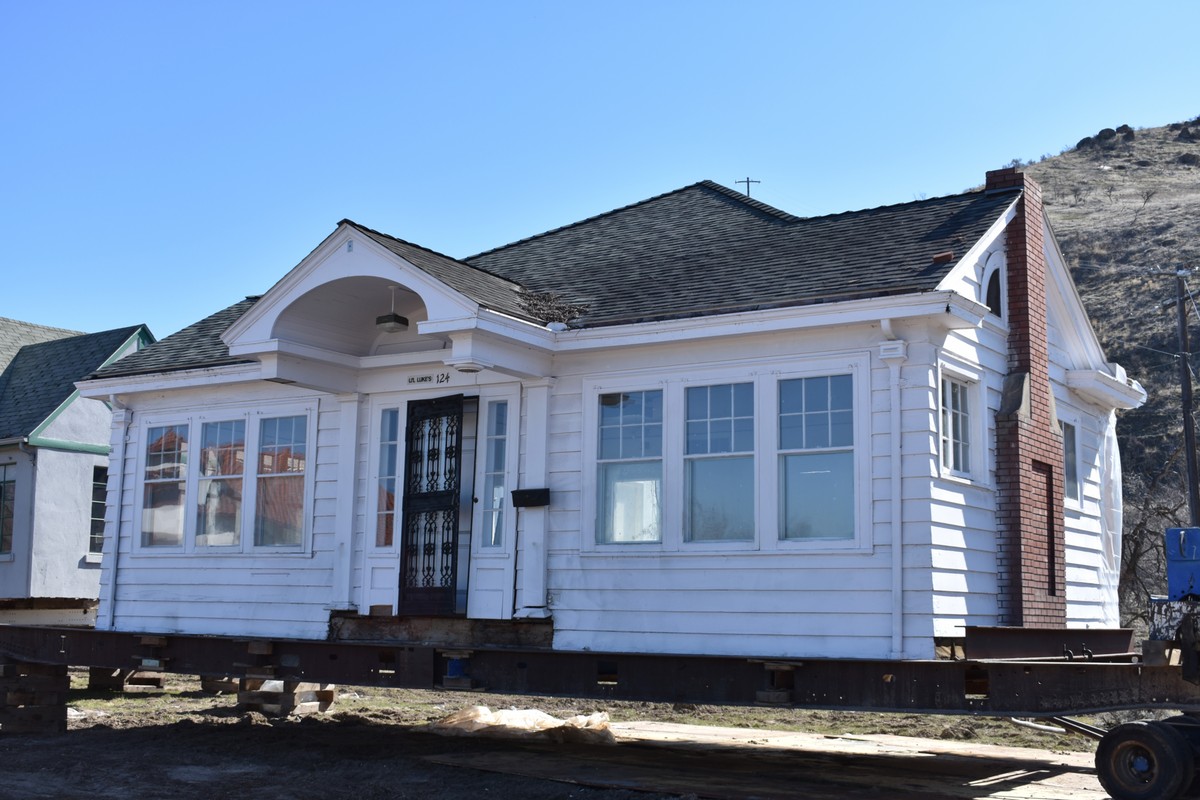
(35, 698)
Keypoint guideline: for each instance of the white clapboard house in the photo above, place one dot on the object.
(53, 469)
(695, 424)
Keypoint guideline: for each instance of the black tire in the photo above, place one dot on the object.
(1144, 761)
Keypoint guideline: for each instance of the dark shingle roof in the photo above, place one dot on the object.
(15, 334)
(484, 288)
(702, 249)
(198, 345)
(41, 376)
(705, 249)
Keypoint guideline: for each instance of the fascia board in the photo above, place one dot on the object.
(35, 436)
(495, 323)
(967, 263)
(101, 388)
(301, 279)
(949, 309)
(70, 447)
(1105, 389)
(284, 347)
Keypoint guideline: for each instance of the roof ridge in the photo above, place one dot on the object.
(587, 220)
(979, 191)
(126, 331)
(746, 199)
(422, 248)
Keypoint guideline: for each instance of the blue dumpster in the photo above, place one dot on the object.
(1182, 547)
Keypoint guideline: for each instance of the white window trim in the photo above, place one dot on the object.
(399, 401)
(765, 374)
(978, 471)
(995, 264)
(1073, 503)
(195, 422)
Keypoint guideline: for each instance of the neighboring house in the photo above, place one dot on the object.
(53, 470)
(760, 434)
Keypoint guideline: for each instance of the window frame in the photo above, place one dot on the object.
(765, 374)
(253, 417)
(5, 480)
(977, 472)
(93, 550)
(995, 266)
(1071, 454)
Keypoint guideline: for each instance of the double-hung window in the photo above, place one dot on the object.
(282, 460)
(8, 494)
(219, 492)
(630, 467)
(719, 463)
(956, 427)
(164, 486)
(250, 473)
(739, 459)
(816, 458)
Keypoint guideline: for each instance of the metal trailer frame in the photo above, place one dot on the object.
(989, 678)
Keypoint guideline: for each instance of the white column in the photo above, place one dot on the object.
(531, 522)
(894, 353)
(347, 487)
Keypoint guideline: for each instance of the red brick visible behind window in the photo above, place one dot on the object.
(1029, 454)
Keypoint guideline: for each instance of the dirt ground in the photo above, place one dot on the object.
(184, 744)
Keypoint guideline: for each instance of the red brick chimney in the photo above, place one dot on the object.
(1029, 450)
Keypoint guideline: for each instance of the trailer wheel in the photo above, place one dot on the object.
(1145, 761)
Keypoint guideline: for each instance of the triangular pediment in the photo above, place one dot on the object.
(332, 299)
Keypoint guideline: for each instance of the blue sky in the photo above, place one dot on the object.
(161, 160)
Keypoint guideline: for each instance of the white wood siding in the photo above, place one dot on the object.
(242, 594)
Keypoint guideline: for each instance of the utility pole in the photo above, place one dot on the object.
(1185, 386)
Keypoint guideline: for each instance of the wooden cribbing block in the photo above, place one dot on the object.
(282, 698)
(34, 698)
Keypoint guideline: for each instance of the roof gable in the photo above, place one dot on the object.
(15, 334)
(42, 376)
(331, 299)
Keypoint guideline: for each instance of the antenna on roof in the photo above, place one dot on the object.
(747, 181)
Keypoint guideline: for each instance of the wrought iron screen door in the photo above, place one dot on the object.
(432, 479)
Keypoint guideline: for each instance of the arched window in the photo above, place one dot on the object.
(994, 301)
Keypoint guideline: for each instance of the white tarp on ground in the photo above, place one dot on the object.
(516, 723)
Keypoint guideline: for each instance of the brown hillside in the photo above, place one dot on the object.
(1125, 207)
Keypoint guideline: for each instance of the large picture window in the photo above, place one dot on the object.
(816, 458)
(203, 498)
(8, 486)
(630, 467)
(719, 463)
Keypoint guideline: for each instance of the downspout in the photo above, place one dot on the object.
(121, 419)
(894, 352)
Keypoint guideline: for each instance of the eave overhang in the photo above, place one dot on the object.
(1105, 389)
